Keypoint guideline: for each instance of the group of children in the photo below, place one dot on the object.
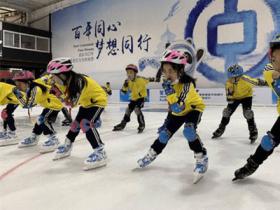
(62, 85)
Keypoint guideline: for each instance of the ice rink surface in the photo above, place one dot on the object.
(30, 181)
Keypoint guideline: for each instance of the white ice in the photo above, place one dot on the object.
(166, 184)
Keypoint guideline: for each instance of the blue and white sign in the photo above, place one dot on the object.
(102, 37)
(235, 31)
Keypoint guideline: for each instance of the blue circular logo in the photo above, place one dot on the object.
(230, 51)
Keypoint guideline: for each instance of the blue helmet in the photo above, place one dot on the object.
(234, 71)
(275, 42)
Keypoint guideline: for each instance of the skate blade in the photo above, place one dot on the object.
(24, 146)
(60, 157)
(44, 151)
(117, 129)
(197, 177)
(252, 141)
(215, 137)
(88, 167)
(3, 144)
(235, 178)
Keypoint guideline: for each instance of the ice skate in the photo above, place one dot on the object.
(63, 150)
(30, 141)
(148, 158)
(50, 145)
(219, 132)
(3, 133)
(248, 169)
(97, 159)
(120, 126)
(141, 128)
(201, 167)
(8, 138)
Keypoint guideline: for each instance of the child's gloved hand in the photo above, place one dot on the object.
(125, 84)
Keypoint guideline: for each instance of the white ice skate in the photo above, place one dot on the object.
(3, 133)
(8, 138)
(201, 166)
(50, 145)
(30, 141)
(97, 159)
(63, 150)
(147, 159)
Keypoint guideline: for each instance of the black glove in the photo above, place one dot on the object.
(125, 84)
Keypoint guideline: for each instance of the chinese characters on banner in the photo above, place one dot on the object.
(102, 44)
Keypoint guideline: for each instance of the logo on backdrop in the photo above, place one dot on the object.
(235, 51)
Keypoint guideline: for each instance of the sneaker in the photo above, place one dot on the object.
(201, 166)
(50, 145)
(63, 150)
(148, 158)
(97, 159)
(30, 141)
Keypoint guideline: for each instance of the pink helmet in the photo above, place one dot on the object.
(132, 67)
(174, 56)
(59, 65)
(24, 75)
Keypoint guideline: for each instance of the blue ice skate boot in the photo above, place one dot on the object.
(201, 166)
(8, 138)
(96, 159)
(50, 145)
(30, 141)
(63, 150)
(148, 158)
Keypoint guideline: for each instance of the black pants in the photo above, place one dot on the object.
(173, 123)
(261, 154)
(45, 121)
(10, 121)
(231, 107)
(135, 106)
(85, 120)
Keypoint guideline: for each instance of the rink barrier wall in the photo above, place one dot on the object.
(213, 96)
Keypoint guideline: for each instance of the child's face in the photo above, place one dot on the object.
(275, 60)
(21, 85)
(169, 72)
(130, 74)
